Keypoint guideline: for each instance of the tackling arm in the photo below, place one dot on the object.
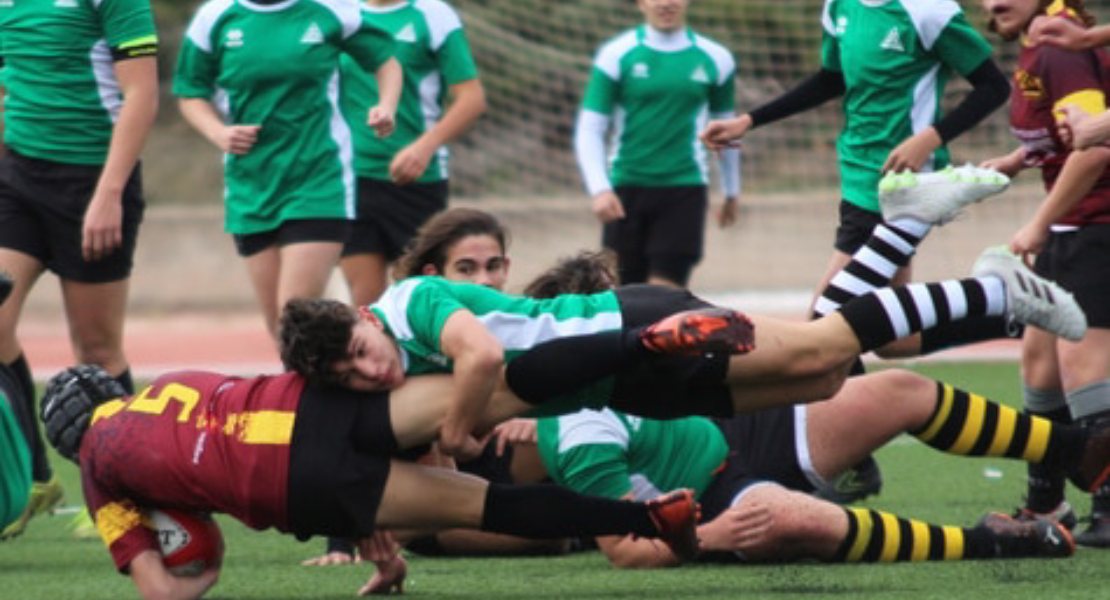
(154, 582)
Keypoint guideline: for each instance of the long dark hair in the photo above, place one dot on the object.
(436, 237)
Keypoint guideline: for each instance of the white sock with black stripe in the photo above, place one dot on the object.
(888, 314)
(890, 247)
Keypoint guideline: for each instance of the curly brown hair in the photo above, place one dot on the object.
(584, 273)
(314, 334)
(438, 234)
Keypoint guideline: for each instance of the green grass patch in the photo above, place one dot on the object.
(920, 482)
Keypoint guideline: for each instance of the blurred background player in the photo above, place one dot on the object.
(402, 179)
(246, 83)
(1069, 234)
(82, 94)
(654, 88)
(15, 456)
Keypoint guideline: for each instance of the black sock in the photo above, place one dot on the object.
(969, 331)
(40, 465)
(1047, 480)
(550, 512)
(124, 379)
(564, 365)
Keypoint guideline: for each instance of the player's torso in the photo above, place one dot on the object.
(519, 324)
(62, 91)
(1033, 120)
(200, 441)
(893, 86)
(659, 455)
(662, 101)
(416, 29)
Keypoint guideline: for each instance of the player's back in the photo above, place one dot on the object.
(200, 441)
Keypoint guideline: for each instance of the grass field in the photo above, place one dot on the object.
(46, 563)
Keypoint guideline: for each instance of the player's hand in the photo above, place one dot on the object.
(911, 154)
(237, 139)
(102, 229)
(726, 133)
(1058, 31)
(1009, 165)
(1029, 240)
(410, 163)
(1073, 130)
(332, 558)
(729, 212)
(739, 528)
(459, 443)
(607, 207)
(515, 431)
(390, 567)
(380, 119)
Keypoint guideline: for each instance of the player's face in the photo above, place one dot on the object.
(374, 362)
(665, 15)
(1010, 18)
(478, 259)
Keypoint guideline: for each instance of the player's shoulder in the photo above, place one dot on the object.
(717, 52)
(438, 11)
(616, 47)
(592, 428)
(205, 20)
(931, 17)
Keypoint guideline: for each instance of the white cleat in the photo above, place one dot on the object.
(937, 197)
(1032, 299)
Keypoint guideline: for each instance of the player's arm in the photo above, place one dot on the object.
(478, 359)
(468, 102)
(136, 70)
(1065, 33)
(154, 582)
(374, 50)
(1082, 130)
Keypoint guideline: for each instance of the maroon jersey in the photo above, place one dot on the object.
(1047, 78)
(196, 441)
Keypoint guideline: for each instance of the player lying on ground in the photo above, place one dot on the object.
(753, 472)
(304, 459)
(540, 350)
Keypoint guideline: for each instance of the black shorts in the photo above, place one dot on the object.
(668, 387)
(1080, 262)
(855, 227)
(762, 447)
(293, 231)
(662, 233)
(339, 462)
(389, 215)
(42, 212)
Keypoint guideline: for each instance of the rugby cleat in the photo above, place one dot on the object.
(701, 331)
(1063, 514)
(1030, 298)
(937, 197)
(1039, 538)
(1097, 533)
(675, 515)
(45, 498)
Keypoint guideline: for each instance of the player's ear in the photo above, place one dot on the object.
(370, 317)
(430, 270)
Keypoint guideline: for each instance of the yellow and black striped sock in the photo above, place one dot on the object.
(875, 536)
(971, 425)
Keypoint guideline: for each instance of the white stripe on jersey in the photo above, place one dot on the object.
(521, 332)
(107, 86)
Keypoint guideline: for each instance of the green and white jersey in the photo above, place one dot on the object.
(15, 466)
(896, 57)
(659, 90)
(63, 95)
(414, 311)
(611, 454)
(434, 54)
(277, 66)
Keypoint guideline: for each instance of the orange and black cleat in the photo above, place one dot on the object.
(675, 515)
(701, 331)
